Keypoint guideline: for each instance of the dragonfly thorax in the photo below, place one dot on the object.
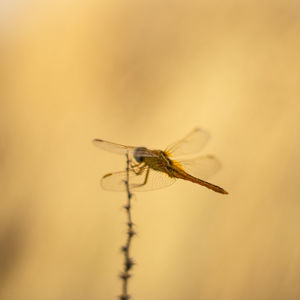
(139, 154)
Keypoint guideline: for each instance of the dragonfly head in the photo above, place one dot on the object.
(139, 154)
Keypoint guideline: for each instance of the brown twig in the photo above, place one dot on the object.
(128, 261)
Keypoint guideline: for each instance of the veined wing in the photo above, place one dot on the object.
(201, 167)
(190, 144)
(137, 183)
(113, 147)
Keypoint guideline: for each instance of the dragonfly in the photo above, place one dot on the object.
(155, 169)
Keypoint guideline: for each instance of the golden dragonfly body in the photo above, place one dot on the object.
(152, 169)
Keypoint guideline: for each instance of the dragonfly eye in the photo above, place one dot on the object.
(139, 154)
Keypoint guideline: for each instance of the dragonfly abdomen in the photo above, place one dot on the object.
(183, 175)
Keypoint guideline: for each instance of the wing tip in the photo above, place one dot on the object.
(200, 129)
(106, 175)
(97, 140)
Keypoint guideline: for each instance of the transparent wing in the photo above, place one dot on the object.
(137, 183)
(190, 144)
(113, 147)
(201, 167)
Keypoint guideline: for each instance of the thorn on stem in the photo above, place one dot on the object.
(129, 264)
(130, 224)
(122, 297)
(127, 207)
(125, 275)
(124, 248)
(131, 233)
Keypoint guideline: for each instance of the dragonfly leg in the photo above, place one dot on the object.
(146, 178)
(147, 175)
(140, 170)
(135, 165)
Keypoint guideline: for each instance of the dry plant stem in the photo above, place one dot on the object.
(128, 261)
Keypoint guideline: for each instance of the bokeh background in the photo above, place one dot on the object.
(146, 73)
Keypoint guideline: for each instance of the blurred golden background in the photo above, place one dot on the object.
(146, 73)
